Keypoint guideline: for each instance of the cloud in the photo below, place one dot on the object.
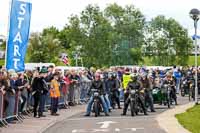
(56, 12)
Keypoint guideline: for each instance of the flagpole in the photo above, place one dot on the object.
(8, 28)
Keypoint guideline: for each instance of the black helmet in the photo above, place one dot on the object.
(134, 76)
(114, 75)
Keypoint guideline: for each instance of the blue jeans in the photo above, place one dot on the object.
(107, 100)
(42, 103)
(83, 94)
(89, 107)
(54, 105)
(177, 85)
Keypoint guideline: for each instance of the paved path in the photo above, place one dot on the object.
(168, 121)
(113, 124)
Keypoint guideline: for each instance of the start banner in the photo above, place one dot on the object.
(18, 36)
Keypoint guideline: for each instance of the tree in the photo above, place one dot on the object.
(98, 49)
(167, 41)
(136, 55)
(72, 37)
(44, 47)
(128, 24)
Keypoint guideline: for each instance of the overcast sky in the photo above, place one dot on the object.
(46, 13)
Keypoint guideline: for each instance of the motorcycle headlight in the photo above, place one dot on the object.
(96, 94)
(154, 91)
(133, 91)
(165, 85)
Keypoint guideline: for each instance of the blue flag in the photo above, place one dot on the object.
(20, 16)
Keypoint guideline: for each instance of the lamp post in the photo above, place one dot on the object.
(195, 14)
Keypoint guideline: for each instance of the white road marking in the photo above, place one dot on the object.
(135, 129)
(106, 124)
(74, 131)
(79, 131)
(117, 130)
(99, 130)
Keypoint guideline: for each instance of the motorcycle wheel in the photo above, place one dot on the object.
(132, 108)
(136, 109)
(168, 100)
(182, 92)
(96, 109)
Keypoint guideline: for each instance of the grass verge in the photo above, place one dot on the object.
(190, 119)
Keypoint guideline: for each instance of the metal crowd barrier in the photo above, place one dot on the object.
(13, 108)
(2, 119)
(12, 111)
(75, 93)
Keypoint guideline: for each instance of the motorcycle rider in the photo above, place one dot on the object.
(107, 91)
(97, 84)
(118, 86)
(113, 88)
(169, 80)
(134, 84)
(146, 84)
(125, 80)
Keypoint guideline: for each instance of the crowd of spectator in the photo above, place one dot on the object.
(36, 91)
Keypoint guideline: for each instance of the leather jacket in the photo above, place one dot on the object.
(99, 85)
(134, 85)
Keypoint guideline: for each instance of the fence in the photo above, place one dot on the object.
(77, 92)
(2, 120)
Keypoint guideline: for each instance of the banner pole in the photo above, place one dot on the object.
(8, 28)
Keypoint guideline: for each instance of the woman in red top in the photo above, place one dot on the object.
(65, 88)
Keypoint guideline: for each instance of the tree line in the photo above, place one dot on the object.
(113, 36)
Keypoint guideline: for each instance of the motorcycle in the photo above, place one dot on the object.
(192, 90)
(134, 104)
(184, 88)
(113, 95)
(97, 108)
(167, 95)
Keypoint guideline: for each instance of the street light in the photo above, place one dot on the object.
(195, 14)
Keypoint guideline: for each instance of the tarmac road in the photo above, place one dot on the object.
(115, 123)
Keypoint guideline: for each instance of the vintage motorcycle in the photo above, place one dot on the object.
(97, 107)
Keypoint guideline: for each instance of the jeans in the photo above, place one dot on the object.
(71, 94)
(22, 103)
(77, 93)
(83, 92)
(149, 100)
(83, 95)
(54, 105)
(42, 104)
(177, 85)
(107, 100)
(89, 107)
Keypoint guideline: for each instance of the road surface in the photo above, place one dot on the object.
(115, 123)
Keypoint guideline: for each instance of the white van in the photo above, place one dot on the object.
(63, 69)
(33, 66)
